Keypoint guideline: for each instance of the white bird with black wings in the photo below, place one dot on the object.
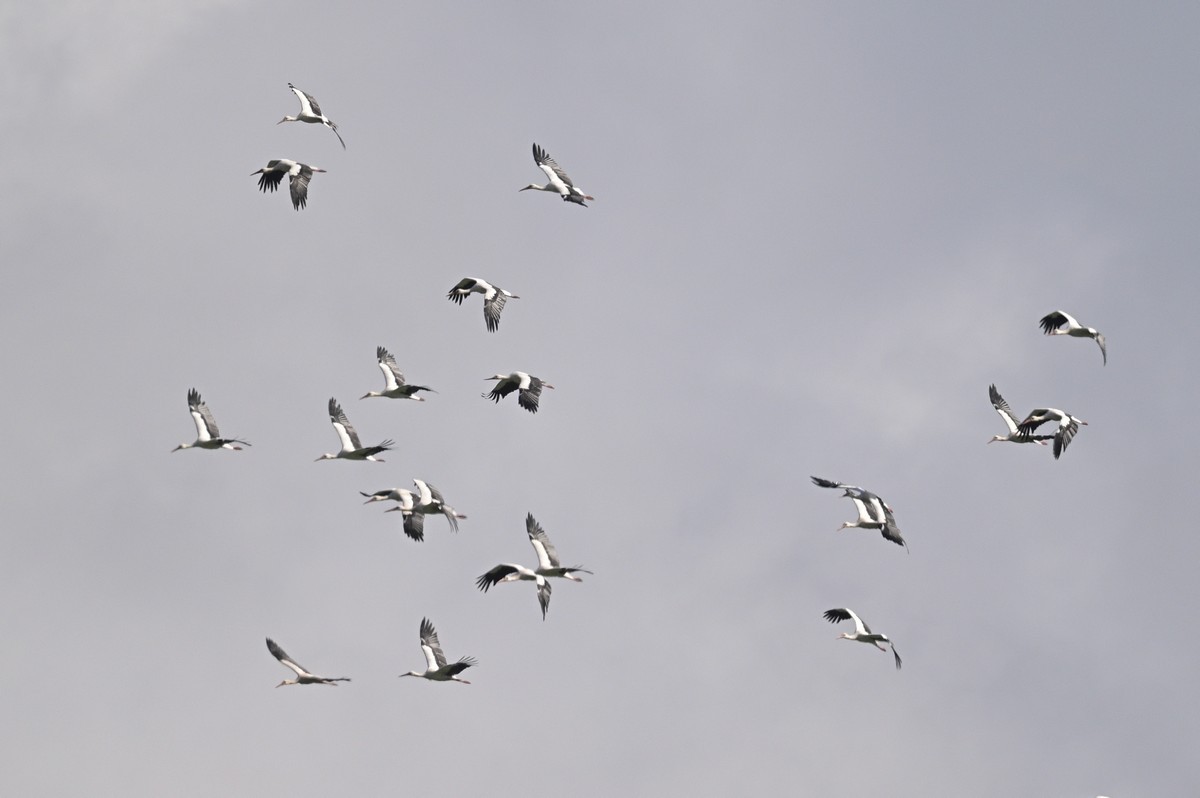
(873, 512)
(559, 182)
(302, 676)
(438, 670)
(494, 298)
(298, 175)
(394, 386)
(862, 632)
(548, 566)
(310, 112)
(352, 448)
(529, 387)
(207, 434)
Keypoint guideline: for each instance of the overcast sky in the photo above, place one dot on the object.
(821, 230)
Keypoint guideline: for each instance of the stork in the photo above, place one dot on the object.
(1010, 420)
(302, 676)
(414, 522)
(298, 176)
(352, 448)
(559, 183)
(437, 669)
(530, 388)
(311, 112)
(494, 298)
(207, 435)
(548, 566)
(862, 632)
(430, 500)
(415, 506)
(873, 512)
(1052, 324)
(1068, 425)
(394, 385)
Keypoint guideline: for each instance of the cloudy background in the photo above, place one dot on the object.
(821, 231)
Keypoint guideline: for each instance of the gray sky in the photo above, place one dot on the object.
(821, 230)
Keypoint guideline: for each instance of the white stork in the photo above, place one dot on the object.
(298, 176)
(1052, 324)
(1010, 420)
(394, 385)
(494, 298)
(207, 435)
(352, 448)
(414, 522)
(438, 670)
(430, 500)
(548, 566)
(862, 632)
(873, 512)
(302, 676)
(311, 112)
(530, 388)
(559, 183)
(415, 506)
(1068, 425)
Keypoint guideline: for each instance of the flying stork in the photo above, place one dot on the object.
(559, 181)
(494, 298)
(438, 670)
(302, 676)
(530, 388)
(352, 448)
(207, 435)
(298, 176)
(873, 512)
(311, 112)
(548, 566)
(1006, 413)
(415, 506)
(394, 385)
(862, 632)
(1052, 324)
(1068, 425)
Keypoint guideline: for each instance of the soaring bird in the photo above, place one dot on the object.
(873, 512)
(207, 435)
(394, 385)
(415, 506)
(559, 181)
(1010, 420)
(1052, 324)
(494, 298)
(298, 176)
(352, 448)
(530, 388)
(1068, 425)
(311, 112)
(438, 670)
(862, 632)
(302, 676)
(548, 566)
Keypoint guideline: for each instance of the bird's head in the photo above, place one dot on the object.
(283, 683)
(496, 377)
(531, 185)
(182, 446)
(326, 457)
